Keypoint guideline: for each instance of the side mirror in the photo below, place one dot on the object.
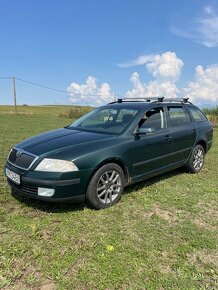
(144, 131)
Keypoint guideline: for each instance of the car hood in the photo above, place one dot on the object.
(60, 139)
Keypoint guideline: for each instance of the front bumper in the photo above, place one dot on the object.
(71, 189)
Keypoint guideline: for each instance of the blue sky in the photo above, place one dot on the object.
(57, 43)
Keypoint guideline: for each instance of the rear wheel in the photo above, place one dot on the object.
(105, 187)
(196, 161)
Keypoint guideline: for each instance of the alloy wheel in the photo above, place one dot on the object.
(109, 186)
(198, 159)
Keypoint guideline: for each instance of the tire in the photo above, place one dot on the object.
(196, 161)
(106, 186)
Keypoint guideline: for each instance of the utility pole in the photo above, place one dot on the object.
(15, 97)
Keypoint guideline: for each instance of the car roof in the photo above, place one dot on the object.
(149, 102)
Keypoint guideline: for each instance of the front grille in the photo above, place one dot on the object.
(33, 190)
(23, 159)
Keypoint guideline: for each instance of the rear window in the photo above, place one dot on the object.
(197, 115)
(178, 116)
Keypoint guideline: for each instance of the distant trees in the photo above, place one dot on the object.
(76, 111)
(212, 115)
(212, 111)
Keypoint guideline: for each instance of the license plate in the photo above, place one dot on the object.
(12, 176)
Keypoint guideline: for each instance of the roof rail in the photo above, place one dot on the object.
(153, 99)
(158, 99)
(183, 100)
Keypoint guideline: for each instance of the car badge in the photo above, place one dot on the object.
(19, 153)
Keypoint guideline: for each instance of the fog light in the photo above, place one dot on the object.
(46, 191)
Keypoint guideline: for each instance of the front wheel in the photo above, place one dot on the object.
(196, 161)
(105, 187)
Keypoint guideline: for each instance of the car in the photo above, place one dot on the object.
(112, 146)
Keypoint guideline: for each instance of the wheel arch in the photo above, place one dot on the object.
(117, 161)
(203, 144)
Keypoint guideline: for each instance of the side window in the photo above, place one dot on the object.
(197, 115)
(155, 119)
(178, 116)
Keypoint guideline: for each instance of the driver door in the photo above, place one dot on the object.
(152, 150)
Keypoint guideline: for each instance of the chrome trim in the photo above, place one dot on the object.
(9, 153)
(24, 151)
(27, 153)
(34, 160)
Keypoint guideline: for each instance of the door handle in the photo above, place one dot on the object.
(167, 138)
(194, 131)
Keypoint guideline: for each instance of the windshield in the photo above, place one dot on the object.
(106, 120)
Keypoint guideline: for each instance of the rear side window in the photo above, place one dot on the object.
(178, 116)
(197, 115)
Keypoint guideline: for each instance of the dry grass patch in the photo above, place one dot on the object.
(48, 286)
(161, 213)
(205, 257)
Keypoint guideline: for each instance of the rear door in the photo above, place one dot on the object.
(183, 133)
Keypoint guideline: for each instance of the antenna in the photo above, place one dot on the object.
(174, 94)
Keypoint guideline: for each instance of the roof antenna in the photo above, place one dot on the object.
(173, 94)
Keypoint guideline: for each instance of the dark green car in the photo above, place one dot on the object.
(95, 157)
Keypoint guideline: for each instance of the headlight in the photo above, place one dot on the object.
(56, 165)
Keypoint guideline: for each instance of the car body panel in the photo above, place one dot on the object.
(140, 156)
(183, 140)
(151, 153)
(59, 140)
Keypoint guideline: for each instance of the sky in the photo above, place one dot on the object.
(96, 50)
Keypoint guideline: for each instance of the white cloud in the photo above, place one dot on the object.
(166, 66)
(166, 70)
(151, 89)
(203, 29)
(208, 9)
(90, 93)
(180, 32)
(204, 89)
(208, 28)
(143, 59)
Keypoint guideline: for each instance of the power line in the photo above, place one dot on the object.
(59, 90)
(42, 86)
(4, 78)
(62, 91)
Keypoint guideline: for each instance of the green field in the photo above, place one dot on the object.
(161, 235)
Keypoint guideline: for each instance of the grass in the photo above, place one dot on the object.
(161, 235)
